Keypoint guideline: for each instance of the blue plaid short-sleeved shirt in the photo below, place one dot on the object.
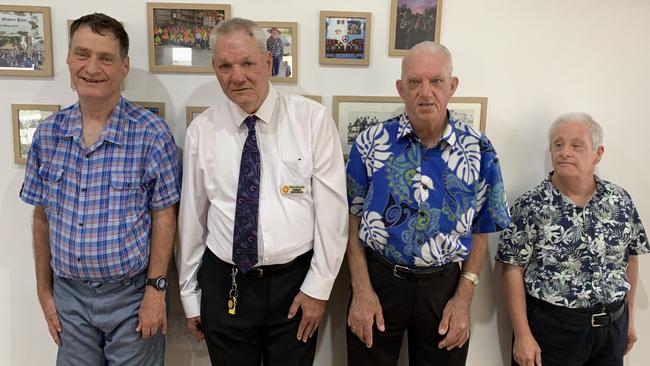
(98, 198)
(418, 206)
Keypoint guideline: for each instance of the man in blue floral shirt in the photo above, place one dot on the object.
(570, 258)
(423, 190)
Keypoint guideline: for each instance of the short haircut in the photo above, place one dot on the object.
(580, 117)
(100, 24)
(235, 25)
(430, 47)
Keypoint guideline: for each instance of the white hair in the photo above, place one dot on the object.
(580, 117)
(235, 25)
(429, 47)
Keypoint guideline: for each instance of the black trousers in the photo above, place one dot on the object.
(260, 330)
(414, 306)
(566, 344)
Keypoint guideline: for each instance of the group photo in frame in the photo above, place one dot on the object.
(179, 36)
(354, 114)
(25, 40)
(191, 112)
(412, 22)
(345, 38)
(157, 108)
(25, 118)
(282, 43)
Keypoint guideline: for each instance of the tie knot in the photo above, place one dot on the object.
(250, 121)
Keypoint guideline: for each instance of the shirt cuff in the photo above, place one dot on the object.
(192, 305)
(316, 286)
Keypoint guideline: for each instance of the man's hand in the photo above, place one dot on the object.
(312, 311)
(631, 337)
(51, 317)
(365, 310)
(526, 351)
(194, 326)
(455, 323)
(152, 313)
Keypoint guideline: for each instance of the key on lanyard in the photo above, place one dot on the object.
(232, 295)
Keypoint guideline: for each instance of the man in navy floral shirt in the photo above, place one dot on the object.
(423, 190)
(570, 258)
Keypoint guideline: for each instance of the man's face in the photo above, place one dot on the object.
(242, 70)
(426, 86)
(572, 154)
(95, 65)
(275, 34)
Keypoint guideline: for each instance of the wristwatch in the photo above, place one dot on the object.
(471, 277)
(159, 283)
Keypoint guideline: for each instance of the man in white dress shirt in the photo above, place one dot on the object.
(261, 302)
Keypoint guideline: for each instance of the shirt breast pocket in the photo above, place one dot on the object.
(124, 195)
(51, 178)
(295, 177)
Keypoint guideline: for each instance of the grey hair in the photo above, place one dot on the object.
(430, 47)
(580, 117)
(235, 25)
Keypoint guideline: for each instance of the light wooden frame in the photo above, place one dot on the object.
(293, 29)
(160, 106)
(476, 104)
(47, 69)
(15, 122)
(153, 67)
(189, 112)
(392, 47)
(324, 15)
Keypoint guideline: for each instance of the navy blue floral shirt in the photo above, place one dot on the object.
(418, 206)
(575, 257)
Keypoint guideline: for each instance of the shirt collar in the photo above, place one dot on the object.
(449, 135)
(598, 192)
(264, 112)
(71, 126)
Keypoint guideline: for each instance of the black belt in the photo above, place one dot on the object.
(594, 317)
(410, 273)
(263, 271)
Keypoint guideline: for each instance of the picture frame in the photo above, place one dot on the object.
(345, 38)
(282, 35)
(179, 36)
(25, 40)
(24, 120)
(157, 108)
(191, 112)
(411, 22)
(316, 98)
(354, 114)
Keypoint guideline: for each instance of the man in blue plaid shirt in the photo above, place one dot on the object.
(103, 177)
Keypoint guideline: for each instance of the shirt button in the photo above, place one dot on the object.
(419, 241)
(83, 189)
(81, 224)
(78, 259)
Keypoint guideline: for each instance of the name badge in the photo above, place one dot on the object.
(289, 189)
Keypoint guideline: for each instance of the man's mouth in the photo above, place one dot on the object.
(92, 81)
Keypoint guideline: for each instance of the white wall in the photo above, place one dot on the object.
(533, 59)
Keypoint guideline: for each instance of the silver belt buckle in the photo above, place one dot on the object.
(593, 320)
(396, 267)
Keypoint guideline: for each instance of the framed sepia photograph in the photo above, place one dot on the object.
(179, 36)
(25, 40)
(282, 43)
(24, 119)
(316, 98)
(157, 108)
(344, 38)
(191, 112)
(411, 22)
(471, 110)
(354, 114)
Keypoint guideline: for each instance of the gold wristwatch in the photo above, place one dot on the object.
(471, 277)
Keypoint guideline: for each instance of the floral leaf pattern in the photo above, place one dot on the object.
(464, 159)
(373, 147)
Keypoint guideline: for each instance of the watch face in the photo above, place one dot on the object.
(161, 283)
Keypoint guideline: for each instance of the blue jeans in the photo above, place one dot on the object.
(99, 322)
(277, 60)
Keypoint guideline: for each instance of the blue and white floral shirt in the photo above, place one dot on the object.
(575, 257)
(418, 206)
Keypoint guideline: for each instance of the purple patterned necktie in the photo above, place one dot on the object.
(244, 251)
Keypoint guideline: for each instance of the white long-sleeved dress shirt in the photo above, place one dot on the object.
(303, 202)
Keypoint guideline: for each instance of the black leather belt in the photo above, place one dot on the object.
(262, 271)
(594, 317)
(409, 273)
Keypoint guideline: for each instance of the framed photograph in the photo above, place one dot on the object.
(344, 38)
(157, 108)
(316, 98)
(471, 110)
(25, 40)
(24, 119)
(282, 43)
(191, 112)
(354, 114)
(179, 36)
(411, 22)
